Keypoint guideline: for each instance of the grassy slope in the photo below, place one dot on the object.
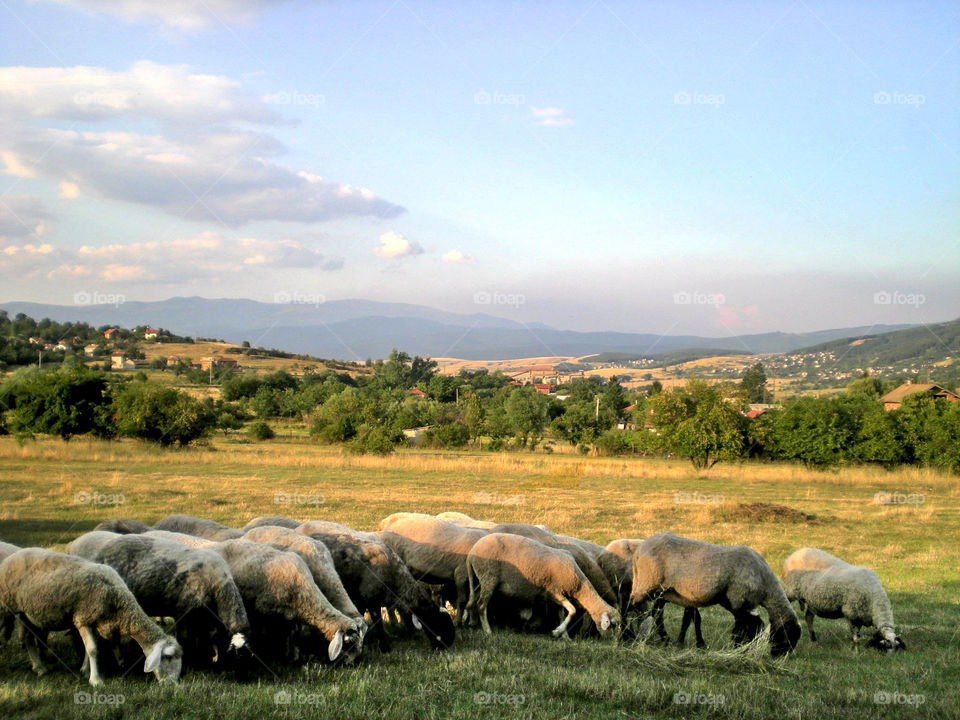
(913, 549)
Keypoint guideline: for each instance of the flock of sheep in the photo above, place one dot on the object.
(281, 590)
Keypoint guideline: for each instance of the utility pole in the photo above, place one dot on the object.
(40, 359)
(596, 412)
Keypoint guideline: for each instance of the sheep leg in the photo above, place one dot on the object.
(698, 631)
(855, 637)
(30, 638)
(561, 629)
(463, 592)
(658, 618)
(90, 644)
(809, 616)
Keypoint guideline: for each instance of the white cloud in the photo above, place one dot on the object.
(396, 245)
(166, 93)
(68, 190)
(551, 117)
(14, 165)
(220, 176)
(182, 14)
(456, 256)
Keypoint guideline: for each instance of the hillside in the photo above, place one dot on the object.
(929, 344)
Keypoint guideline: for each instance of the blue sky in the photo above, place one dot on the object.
(710, 168)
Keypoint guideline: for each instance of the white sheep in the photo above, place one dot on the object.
(696, 574)
(826, 586)
(271, 521)
(277, 589)
(50, 591)
(200, 527)
(528, 571)
(6, 618)
(170, 579)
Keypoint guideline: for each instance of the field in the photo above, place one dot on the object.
(53, 491)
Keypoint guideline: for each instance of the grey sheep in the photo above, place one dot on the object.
(201, 527)
(434, 550)
(696, 574)
(170, 579)
(272, 521)
(826, 586)
(375, 577)
(124, 526)
(6, 618)
(526, 570)
(317, 557)
(277, 589)
(50, 591)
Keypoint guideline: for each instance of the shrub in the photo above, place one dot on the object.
(374, 439)
(446, 436)
(65, 402)
(259, 430)
(161, 414)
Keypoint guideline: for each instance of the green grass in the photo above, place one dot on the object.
(912, 548)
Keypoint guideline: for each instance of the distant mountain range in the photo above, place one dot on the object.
(358, 329)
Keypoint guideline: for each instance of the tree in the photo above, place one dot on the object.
(64, 402)
(614, 399)
(526, 411)
(815, 431)
(698, 423)
(164, 415)
(754, 385)
(656, 387)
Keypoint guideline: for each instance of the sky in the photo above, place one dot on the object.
(683, 168)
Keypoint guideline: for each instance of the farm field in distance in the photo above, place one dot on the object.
(52, 491)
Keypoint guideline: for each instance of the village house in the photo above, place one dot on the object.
(120, 361)
(36, 341)
(217, 363)
(151, 334)
(414, 435)
(90, 350)
(62, 346)
(173, 361)
(109, 334)
(417, 393)
(894, 399)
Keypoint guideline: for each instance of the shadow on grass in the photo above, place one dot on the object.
(31, 532)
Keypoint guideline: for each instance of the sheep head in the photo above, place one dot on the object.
(784, 636)
(165, 660)
(886, 640)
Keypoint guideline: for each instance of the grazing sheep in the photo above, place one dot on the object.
(696, 574)
(317, 557)
(435, 551)
(375, 577)
(464, 520)
(124, 526)
(390, 519)
(272, 521)
(170, 579)
(201, 527)
(573, 546)
(827, 587)
(278, 588)
(50, 591)
(6, 618)
(526, 570)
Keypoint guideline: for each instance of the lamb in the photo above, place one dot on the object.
(696, 574)
(827, 587)
(201, 527)
(376, 578)
(435, 551)
(272, 521)
(170, 579)
(50, 591)
(317, 557)
(278, 587)
(124, 526)
(527, 570)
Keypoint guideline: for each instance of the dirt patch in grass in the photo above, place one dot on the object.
(765, 512)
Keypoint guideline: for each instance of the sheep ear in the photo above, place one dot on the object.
(416, 622)
(605, 622)
(153, 659)
(238, 641)
(336, 646)
(900, 644)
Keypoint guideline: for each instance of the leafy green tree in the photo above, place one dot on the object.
(161, 414)
(656, 387)
(64, 402)
(614, 399)
(260, 430)
(814, 431)
(754, 385)
(526, 411)
(697, 422)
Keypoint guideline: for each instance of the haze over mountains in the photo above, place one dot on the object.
(358, 329)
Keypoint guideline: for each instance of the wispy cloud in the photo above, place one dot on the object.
(456, 257)
(181, 14)
(551, 117)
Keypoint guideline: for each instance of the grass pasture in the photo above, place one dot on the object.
(52, 491)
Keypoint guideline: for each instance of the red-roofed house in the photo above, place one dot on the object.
(417, 393)
(894, 399)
